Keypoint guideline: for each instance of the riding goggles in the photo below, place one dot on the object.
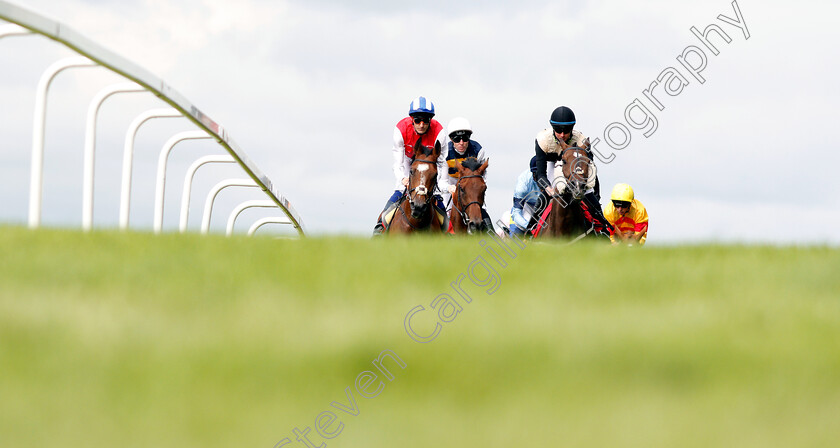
(458, 137)
(563, 129)
(621, 204)
(421, 119)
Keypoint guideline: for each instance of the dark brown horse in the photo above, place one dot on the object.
(468, 199)
(415, 211)
(567, 217)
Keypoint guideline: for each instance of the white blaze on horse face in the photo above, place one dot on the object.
(421, 189)
(422, 169)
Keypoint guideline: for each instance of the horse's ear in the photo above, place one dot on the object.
(483, 167)
(459, 166)
(437, 149)
(563, 145)
(585, 145)
(418, 147)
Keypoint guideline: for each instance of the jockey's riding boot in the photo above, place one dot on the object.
(488, 223)
(380, 224)
(532, 224)
(440, 208)
(379, 227)
(602, 226)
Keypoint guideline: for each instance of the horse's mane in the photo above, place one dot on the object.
(471, 163)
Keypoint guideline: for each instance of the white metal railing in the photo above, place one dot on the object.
(36, 176)
(13, 30)
(160, 181)
(241, 208)
(25, 22)
(188, 179)
(211, 198)
(261, 222)
(128, 157)
(90, 146)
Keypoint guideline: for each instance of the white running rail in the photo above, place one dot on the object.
(25, 22)
(90, 145)
(211, 198)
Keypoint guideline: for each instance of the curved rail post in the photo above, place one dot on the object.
(128, 157)
(36, 178)
(242, 207)
(13, 30)
(83, 46)
(185, 195)
(211, 197)
(90, 146)
(270, 220)
(163, 158)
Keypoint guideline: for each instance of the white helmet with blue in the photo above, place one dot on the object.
(421, 105)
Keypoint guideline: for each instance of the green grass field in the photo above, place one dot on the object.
(132, 340)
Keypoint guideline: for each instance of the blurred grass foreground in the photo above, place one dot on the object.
(131, 340)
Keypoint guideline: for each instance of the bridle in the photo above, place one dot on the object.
(414, 192)
(569, 182)
(421, 189)
(576, 195)
(458, 191)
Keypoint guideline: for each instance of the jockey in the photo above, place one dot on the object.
(627, 215)
(526, 197)
(419, 125)
(459, 147)
(548, 150)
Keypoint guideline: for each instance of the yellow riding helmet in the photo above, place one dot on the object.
(622, 192)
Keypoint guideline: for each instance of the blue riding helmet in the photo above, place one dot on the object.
(421, 105)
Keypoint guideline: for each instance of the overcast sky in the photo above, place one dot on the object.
(311, 91)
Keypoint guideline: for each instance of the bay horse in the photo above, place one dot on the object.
(415, 210)
(468, 199)
(567, 217)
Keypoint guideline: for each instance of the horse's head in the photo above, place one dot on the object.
(469, 193)
(423, 177)
(578, 170)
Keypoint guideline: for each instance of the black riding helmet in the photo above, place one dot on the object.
(562, 119)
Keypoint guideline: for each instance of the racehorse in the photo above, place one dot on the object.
(415, 211)
(567, 217)
(468, 199)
